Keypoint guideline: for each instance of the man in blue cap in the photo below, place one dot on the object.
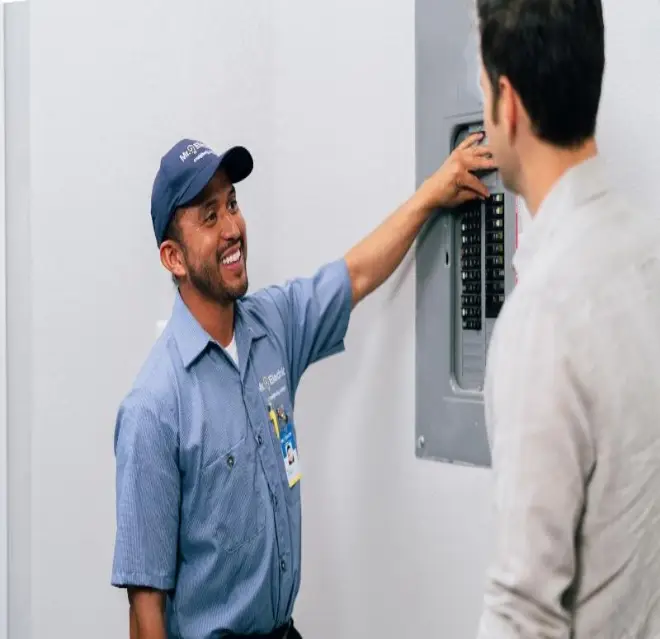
(208, 478)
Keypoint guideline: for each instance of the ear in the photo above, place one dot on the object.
(171, 257)
(509, 108)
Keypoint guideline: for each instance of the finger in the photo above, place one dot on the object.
(466, 196)
(482, 150)
(471, 140)
(471, 183)
(477, 163)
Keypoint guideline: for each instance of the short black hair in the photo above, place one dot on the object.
(553, 53)
(173, 231)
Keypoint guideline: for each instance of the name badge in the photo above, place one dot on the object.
(288, 447)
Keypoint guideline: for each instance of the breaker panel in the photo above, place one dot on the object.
(463, 258)
(464, 274)
(479, 285)
(459, 299)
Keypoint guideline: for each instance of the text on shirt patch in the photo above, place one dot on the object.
(267, 382)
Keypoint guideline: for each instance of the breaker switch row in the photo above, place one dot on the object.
(471, 266)
(472, 287)
(494, 236)
(493, 288)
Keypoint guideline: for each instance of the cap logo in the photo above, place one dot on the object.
(194, 150)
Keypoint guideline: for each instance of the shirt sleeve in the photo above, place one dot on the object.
(315, 312)
(147, 495)
(542, 456)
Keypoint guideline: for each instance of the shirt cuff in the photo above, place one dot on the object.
(143, 580)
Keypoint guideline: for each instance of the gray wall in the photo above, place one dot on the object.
(324, 95)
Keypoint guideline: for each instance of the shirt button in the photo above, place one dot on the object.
(230, 461)
(283, 565)
(260, 440)
(275, 500)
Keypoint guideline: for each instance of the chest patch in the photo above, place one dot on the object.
(273, 385)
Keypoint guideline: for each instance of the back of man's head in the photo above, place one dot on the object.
(553, 54)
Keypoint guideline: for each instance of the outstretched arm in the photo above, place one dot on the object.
(378, 255)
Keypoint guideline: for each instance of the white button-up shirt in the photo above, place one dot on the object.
(573, 412)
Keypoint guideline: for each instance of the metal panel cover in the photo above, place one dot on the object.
(463, 257)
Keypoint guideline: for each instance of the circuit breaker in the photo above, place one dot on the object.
(463, 257)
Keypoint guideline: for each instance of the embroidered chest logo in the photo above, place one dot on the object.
(271, 386)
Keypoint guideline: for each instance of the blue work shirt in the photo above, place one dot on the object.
(204, 508)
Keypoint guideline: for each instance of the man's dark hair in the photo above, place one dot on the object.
(553, 53)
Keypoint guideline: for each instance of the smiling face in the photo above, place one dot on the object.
(207, 246)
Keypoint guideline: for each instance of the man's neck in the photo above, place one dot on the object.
(545, 165)
(215, 318)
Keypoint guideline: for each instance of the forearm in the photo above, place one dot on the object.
(378, 255)
(132, 624)
(147, 614)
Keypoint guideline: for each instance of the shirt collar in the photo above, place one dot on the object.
(576, 187)
(192, 340)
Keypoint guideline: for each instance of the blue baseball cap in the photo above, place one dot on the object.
(184, 172)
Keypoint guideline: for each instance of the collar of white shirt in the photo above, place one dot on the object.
(577, 186)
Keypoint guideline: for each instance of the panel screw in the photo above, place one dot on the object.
(420, 441)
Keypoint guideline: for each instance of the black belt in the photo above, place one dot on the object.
(287, 631)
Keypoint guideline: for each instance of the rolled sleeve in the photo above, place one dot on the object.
(147, 496)
(317, 312)
(542, 456)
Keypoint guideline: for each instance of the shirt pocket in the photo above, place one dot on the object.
(234, 496)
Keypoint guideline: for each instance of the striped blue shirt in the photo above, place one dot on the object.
(204, 508)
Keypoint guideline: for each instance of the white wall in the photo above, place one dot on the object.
(4, 438)
(382, 530)
(112, 85)
(19, 314)
(324, 96)
(629, 131)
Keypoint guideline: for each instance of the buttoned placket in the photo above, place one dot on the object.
(269, 457)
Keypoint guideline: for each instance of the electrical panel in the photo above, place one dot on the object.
(479, 247)
(463, 256)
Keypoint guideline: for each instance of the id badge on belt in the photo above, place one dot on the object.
(288, 446)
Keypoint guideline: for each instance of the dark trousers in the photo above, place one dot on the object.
(285, 632)
(293, 633)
